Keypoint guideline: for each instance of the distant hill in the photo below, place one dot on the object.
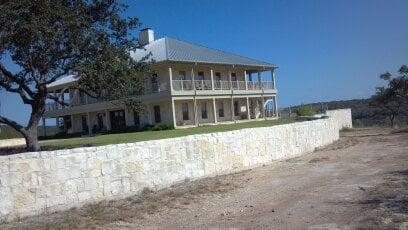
(362, 114)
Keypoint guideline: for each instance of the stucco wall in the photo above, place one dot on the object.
(33, 183)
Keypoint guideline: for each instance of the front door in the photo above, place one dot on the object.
(118, 121)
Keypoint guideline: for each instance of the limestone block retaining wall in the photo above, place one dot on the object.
(37, 182)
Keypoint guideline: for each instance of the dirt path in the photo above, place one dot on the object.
(359, 182)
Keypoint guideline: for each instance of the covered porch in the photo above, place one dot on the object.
(188, 112)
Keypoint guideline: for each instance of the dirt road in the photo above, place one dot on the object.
(359, 182)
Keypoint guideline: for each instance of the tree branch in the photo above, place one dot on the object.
(56, 99)
(13, 124)
(16, 80)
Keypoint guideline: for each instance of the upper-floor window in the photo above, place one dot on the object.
(182, 75)
(155, 83)
(218, 76)
(200, 75)
(233, 77)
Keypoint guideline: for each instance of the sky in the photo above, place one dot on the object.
(325, 50)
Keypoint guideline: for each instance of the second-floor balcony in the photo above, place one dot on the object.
(187, 85)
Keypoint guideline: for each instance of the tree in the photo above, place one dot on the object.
(49, 39)
(392, 97)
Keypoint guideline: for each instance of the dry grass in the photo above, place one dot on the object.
(149, 202)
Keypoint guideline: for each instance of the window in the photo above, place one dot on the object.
(184, 109)
(157, 117)
(204, 110)
(136, 118)
(218, 76)
(233, 77)
(220, 109)
(236, 108)
(155, 83)
(200, 75)
(182, 75)
(117, 118)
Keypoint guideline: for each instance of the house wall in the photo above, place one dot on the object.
(176, 68)
(36, 182)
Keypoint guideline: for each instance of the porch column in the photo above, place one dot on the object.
(214, 110)
(212, 79)
(230, 78)
(195, 111)
(247, 108)
(127, 122)
(232, 109)
(88, 121)
(192, 78)
(173, 112)
(245, 79)
(275, 102)
(107, 120)
(171, 79)
(260, 80)
(44, 127)
(273, 78)
(72, 124)
(263, 107)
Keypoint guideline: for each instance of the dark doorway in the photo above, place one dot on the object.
(136, 119)
(118, 121)
(157, 116)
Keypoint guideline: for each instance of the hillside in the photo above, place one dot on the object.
(362, 113)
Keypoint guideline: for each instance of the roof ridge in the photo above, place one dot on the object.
(219, 50)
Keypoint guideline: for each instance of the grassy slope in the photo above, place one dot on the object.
(154, 135)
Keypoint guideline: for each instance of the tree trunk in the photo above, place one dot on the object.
(31, 138)
(392, 120)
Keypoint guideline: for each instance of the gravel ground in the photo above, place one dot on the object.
(359, 182)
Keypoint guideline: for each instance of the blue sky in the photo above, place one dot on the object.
(325, 50)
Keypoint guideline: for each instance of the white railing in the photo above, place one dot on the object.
(222, 85)
(181, 85)
(185, 85)
(238, 85)
(254, 85)
(77, 100)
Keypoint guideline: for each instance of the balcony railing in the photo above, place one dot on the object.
(185, 85)
(82, 100)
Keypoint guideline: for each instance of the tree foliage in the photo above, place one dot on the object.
(393, 96)
(49, 39)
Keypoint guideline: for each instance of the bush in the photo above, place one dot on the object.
(305, 111)
(162, 127)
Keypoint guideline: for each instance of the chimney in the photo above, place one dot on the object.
(146, 36)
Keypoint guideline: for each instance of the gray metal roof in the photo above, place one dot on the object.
(62, 81)
(170, 49)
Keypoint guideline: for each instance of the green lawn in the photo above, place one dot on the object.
(9, 133)
(154, 135)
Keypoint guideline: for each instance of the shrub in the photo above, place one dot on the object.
(162, 127)
(305, 111)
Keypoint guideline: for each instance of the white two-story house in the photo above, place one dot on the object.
(192, 85)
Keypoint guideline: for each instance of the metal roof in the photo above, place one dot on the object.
(62, 81)
(170, 49)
